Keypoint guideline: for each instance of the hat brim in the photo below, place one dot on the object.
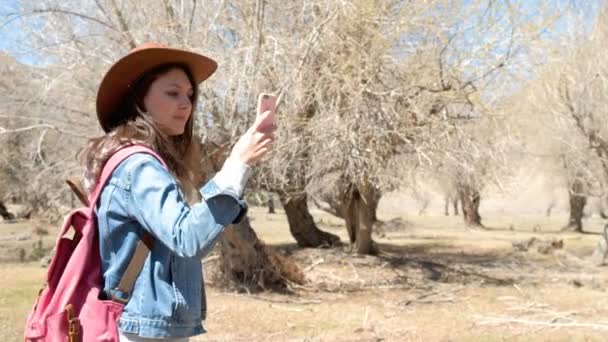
(128, 69)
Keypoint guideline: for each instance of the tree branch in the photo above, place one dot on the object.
(72, 13)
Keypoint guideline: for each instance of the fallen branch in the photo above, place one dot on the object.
(277, 301)
(315, 263)
(440, 297)
(497, 320)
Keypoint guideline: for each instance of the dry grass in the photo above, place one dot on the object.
(433, 281)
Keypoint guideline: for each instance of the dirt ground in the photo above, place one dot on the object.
(434, 280)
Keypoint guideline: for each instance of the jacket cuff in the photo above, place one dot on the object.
(211, 190)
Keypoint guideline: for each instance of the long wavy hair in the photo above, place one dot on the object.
(181, 153)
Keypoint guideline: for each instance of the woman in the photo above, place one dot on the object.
(148, 97)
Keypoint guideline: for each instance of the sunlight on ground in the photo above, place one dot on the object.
(484, 290)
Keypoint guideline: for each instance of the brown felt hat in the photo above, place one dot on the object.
(127, 70)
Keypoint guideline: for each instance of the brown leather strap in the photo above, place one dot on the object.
(143, 248)
(77, 189)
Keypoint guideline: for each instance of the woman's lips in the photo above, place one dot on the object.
(180, 117)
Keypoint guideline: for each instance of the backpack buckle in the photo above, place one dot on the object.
(73, 324)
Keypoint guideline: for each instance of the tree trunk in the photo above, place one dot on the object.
(470, 200)
(4, 212)
(302, 225)
(336, 205)
(602, 213)
(361, 203)
(245, 260)
(372, 201)
(271, 206)
(367, 215)
(577, 205)
(351, 213)
(550, 207)
(453, 200)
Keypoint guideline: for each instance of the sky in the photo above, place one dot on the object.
(12, 38)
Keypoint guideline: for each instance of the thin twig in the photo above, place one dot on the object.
(315, 263)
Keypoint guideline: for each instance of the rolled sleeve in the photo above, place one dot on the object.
(233, 176)
(158, 205)
(217, 197)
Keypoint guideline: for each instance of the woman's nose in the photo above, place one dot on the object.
(184, 101)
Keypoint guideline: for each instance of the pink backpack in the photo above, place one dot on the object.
(68, 308)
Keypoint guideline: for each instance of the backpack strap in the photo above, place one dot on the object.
(146, 243)
(113, 162)
(127, 281)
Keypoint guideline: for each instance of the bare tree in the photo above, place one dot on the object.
(460, 134)
(372, 101)
(572, 92)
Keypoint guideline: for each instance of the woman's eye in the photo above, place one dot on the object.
(172, 93)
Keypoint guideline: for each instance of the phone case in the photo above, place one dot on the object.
(267, 102)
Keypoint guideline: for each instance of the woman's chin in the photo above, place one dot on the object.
(174, 132)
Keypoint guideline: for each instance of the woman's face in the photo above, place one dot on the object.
(169, 101)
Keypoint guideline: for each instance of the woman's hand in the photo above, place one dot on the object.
(257, 141)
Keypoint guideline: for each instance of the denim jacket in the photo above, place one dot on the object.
(168, 299)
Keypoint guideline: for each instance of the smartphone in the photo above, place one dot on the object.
(267, 102)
